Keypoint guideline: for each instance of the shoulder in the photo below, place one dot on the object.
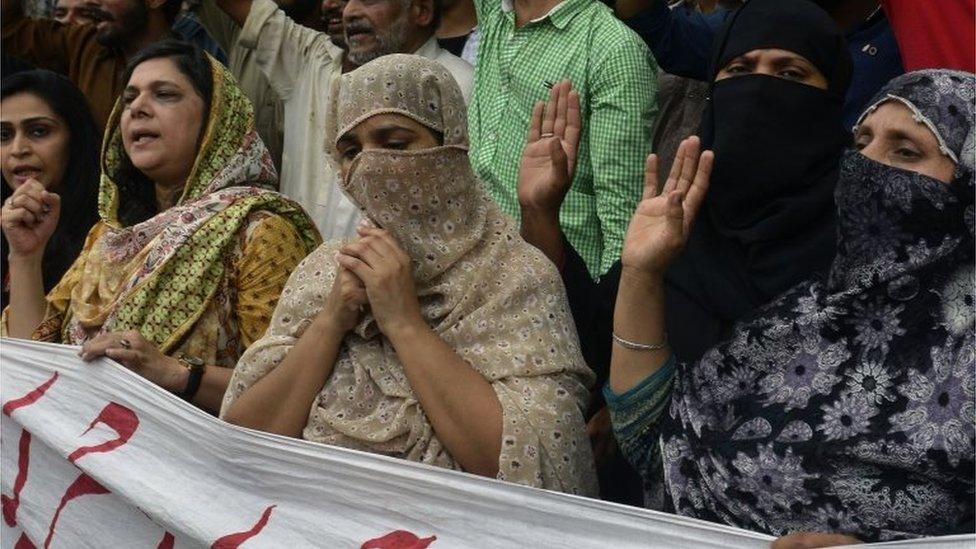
(610, 31)
(263, 229)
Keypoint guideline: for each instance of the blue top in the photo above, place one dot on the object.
(190, 29)
(681, 39)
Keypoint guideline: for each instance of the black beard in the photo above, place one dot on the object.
(131, 24)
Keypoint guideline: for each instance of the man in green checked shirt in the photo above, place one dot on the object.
(525, 48)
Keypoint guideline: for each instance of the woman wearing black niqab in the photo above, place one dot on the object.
(768, 221)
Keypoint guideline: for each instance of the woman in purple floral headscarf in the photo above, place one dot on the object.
(847, 404)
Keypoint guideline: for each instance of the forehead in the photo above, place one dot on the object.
(24, 105)
(893, 116)
(159, 69)
(773, 54)
(69, 3)
(384, 121)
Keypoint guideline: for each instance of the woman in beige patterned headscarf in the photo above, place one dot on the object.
(442, 337)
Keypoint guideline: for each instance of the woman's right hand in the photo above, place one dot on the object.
(345, 302)
(662, 221)
(29, 218)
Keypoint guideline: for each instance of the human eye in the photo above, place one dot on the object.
(349, 152)
(6, 134)
(38, 131)
(793, 73)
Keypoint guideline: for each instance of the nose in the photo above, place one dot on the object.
(139, 106)
(353, 10)
(20, 145)
(874, 151)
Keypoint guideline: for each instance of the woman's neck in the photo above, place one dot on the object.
(167, 195)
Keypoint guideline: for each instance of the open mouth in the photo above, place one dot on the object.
(23, 173)
(357, 33)
(143, 137)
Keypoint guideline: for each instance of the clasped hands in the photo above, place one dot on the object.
(374, 271)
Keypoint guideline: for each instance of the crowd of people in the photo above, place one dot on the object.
(437, 231)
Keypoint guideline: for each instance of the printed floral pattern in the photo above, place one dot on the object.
(849, 404)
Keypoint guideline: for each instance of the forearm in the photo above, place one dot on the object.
(237, 10)
(459, 402)
(280, 401)
(541, 229)
(638, 317)
(27, 302)
(212, 388)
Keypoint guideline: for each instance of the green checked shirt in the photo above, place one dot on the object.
(615, 75)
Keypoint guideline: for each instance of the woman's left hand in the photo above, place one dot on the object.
(811, 540)
(134, 352)
(386, 271)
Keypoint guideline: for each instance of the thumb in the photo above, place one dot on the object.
(52, 200)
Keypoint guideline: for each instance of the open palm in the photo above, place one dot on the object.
(662, 221)
(549, 157)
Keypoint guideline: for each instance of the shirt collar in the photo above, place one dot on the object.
(430, 49)
(560, 14)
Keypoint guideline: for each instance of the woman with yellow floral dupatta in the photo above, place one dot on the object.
(193, 248)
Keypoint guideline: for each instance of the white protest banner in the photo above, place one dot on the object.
(95, 456)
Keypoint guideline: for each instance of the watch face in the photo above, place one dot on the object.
(193, 361)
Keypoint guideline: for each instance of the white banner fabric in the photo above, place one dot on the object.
(93, 455)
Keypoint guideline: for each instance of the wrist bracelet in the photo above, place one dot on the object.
(639, 346)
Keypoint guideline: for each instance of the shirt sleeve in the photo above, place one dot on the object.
(47, 43)
(623, 106)
(283, 49)
(220, 26)
(681, 38)
(272, 250)
(635, 414)
(483, 8)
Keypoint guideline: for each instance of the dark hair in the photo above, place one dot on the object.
(137, 193)
(78, 187)
(171, 10)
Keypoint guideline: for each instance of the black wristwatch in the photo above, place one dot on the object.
(196, 368)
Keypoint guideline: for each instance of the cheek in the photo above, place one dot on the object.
(941, 169)
(57, 152)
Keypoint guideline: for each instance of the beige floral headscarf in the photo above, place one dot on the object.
(496, 300)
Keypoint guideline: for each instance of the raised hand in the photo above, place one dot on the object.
(549, 157)
(660, 226)
(29, 218)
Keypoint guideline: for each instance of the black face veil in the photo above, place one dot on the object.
(768, 220)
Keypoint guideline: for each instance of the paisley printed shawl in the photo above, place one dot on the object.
(496, 300)
(172, 264)
(847, 404)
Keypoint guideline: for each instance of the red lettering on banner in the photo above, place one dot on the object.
(24, 542)
(400, 539)
(29, 398)
(10, 504)
(167, 542)
(82, 486)
(120, 419)
(233, 541)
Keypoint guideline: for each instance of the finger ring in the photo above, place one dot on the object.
(125, 344)
(545, 135)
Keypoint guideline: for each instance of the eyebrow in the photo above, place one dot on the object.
(155, 84)
(32, 120)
